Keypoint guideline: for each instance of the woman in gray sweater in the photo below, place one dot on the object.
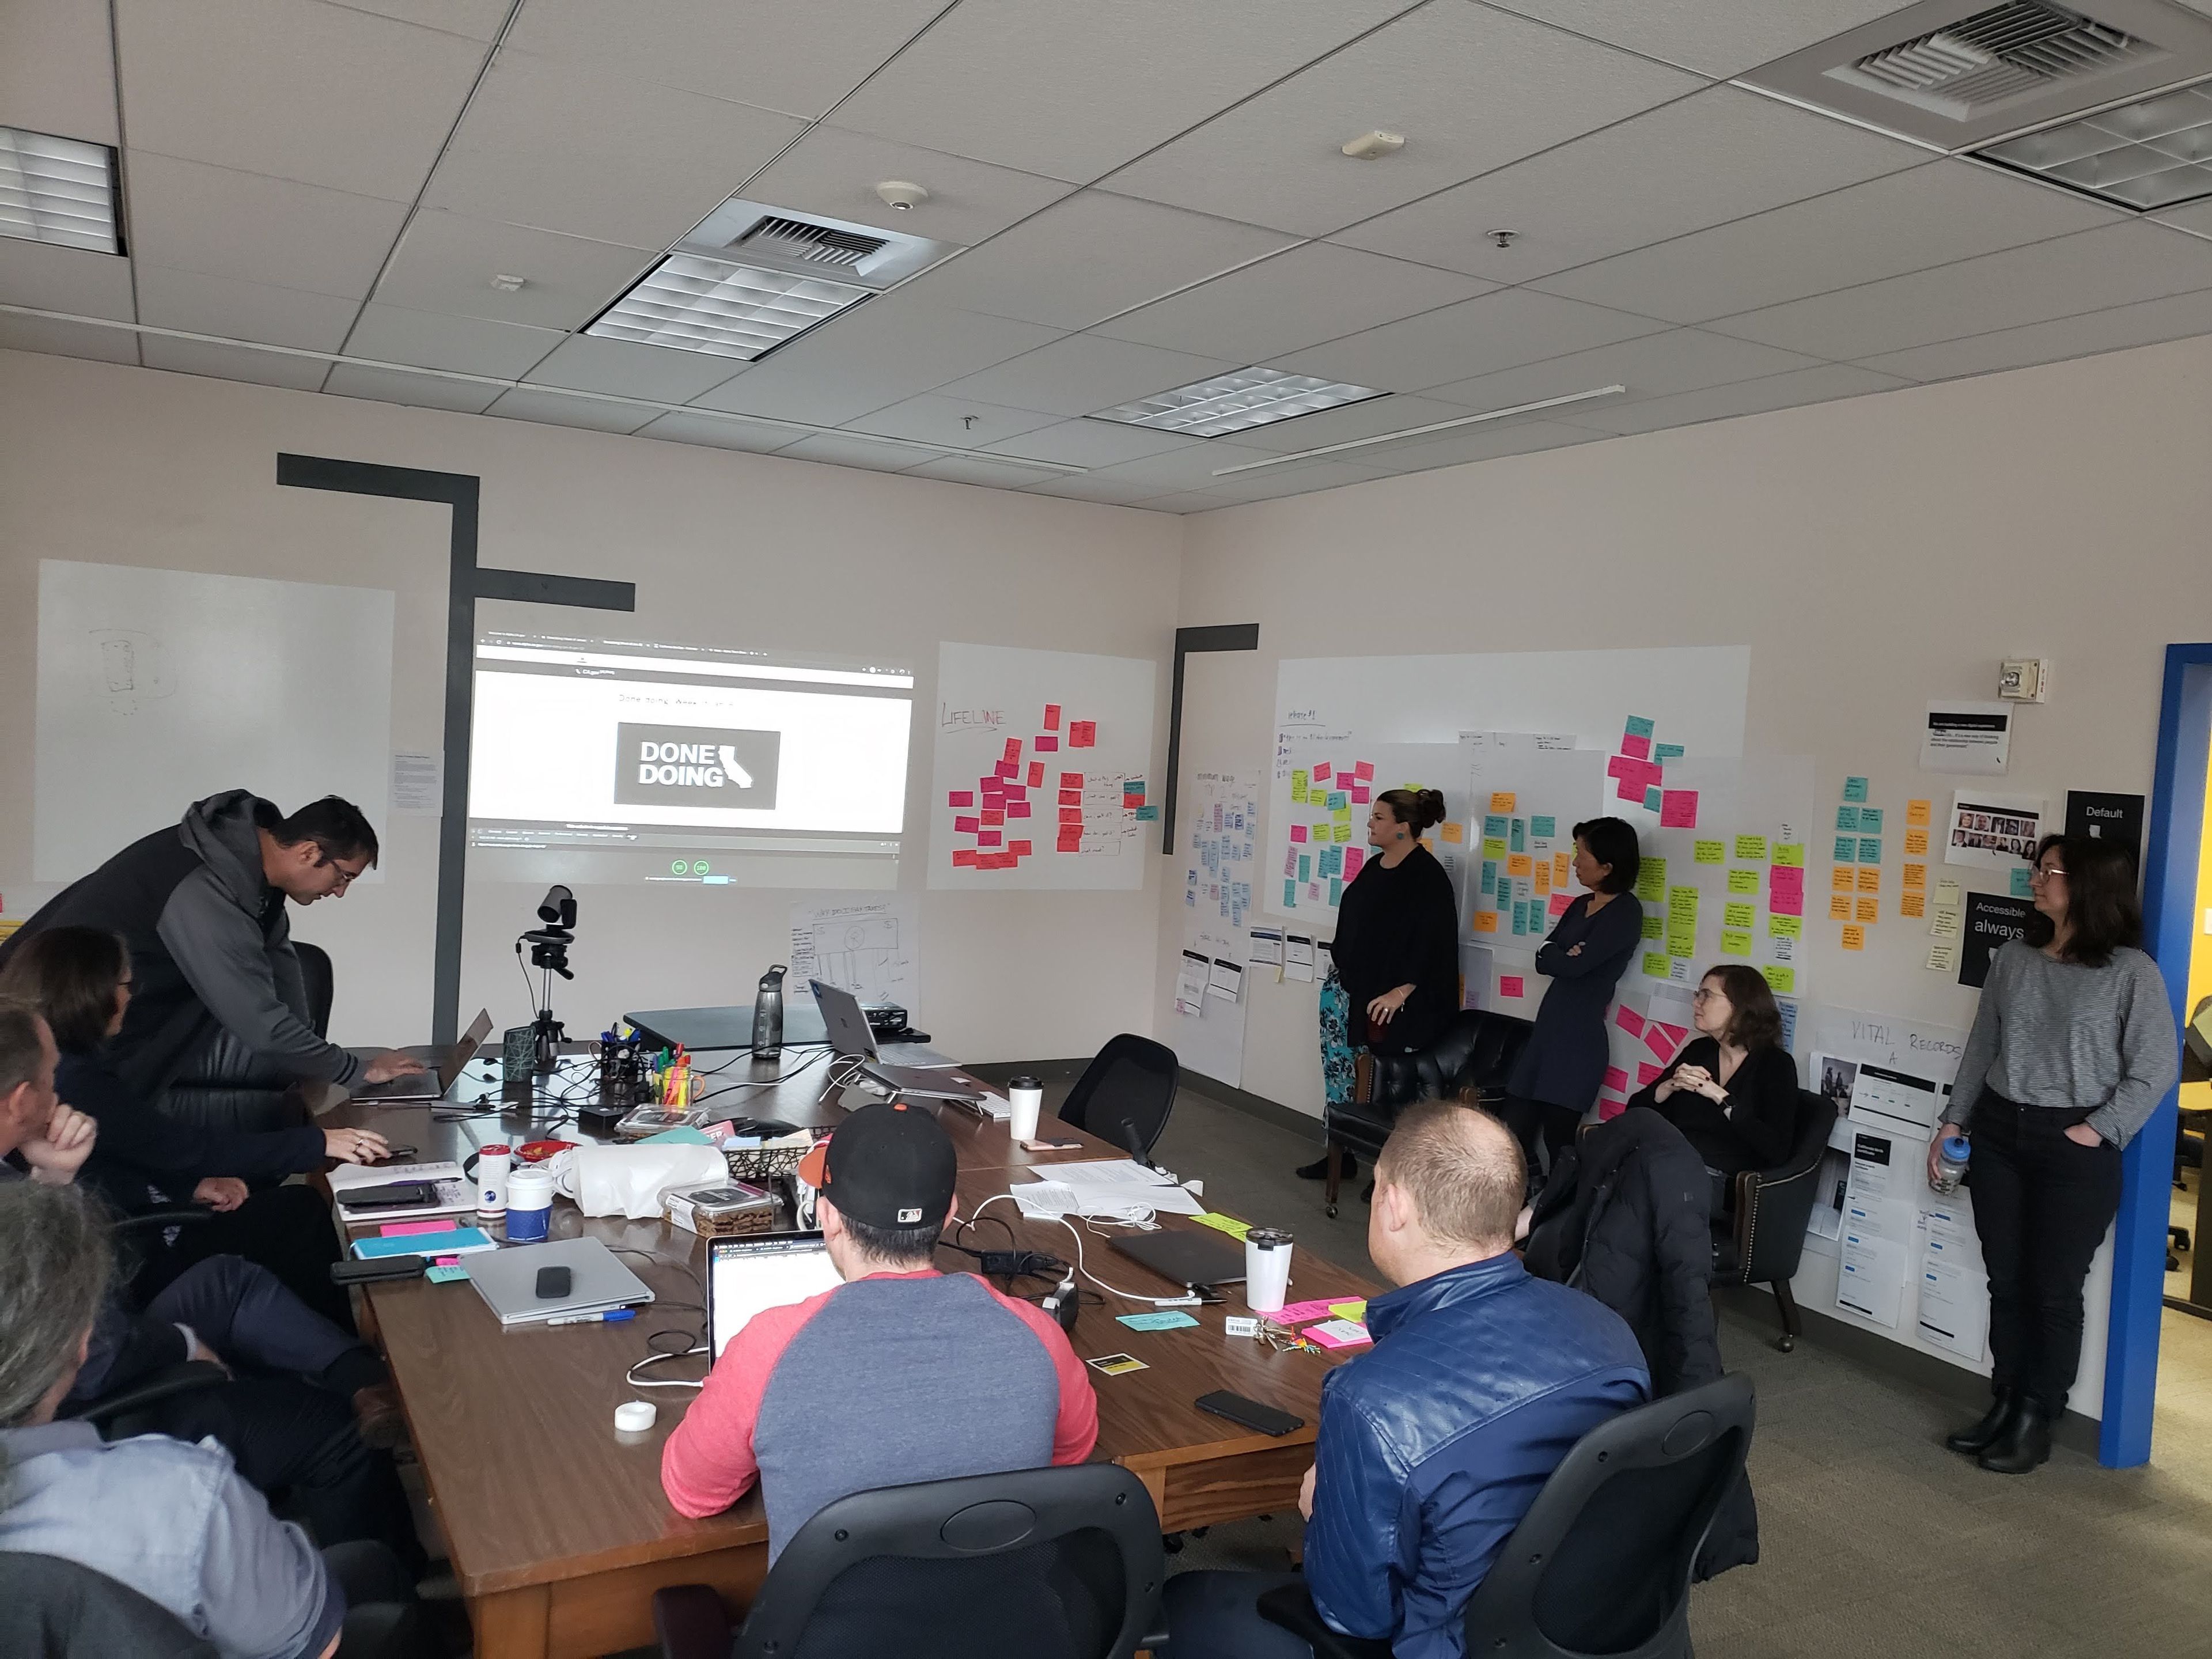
(2072, 1049)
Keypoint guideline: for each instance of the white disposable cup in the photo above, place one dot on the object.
(1026, 1095)
(1266, 1270)
(491, 1181)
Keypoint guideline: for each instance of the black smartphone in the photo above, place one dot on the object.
(393, 1195)
(378, 1267)
(1250, 1413)
(552, 1282)
(395, 1155)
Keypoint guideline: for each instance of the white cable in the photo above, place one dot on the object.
(634, 1380)
(1076, 1234)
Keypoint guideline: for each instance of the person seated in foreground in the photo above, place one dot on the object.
(902, 1374)
(173, 1522)
(1433, 1445)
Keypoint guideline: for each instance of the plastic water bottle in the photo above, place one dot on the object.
(768, 1014)
(1950, 1164)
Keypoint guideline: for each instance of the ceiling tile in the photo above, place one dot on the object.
(1072, 88)
(242, 310)
(788, 394)
(965, 469)
(107, 345)
(953, 422)
(590, 153)
(708, 431)
(1476, 337)
(468, 345)
(72, 279)
(57, 70)
(897, 346)
(1476, 443)
(1716, 156)
(800, 59)
(392, 386)
(1299, 298)
(2196, 218)
(2143, 323)
(446, 261)
(833, 173)
(317, 93)
(1469, 87)
(235, 363)
(1084, 374)
(835, 449)
(1803, 386)
(479, 20)
(1719, 38)
(1653, 365)
(221, 223)
(630, 369)
(1926, 215)
(1336, 426)
(1095, 443)
(2087, 271)
(1090, 257)
(551, 408)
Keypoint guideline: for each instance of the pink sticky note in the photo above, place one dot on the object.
(1036, 775)
(1013, 749)
(1609, 1108)
(1360, 794)
(993, 816)
(1320, 771)
(967, 826)
(1621, 767)
(1298, 1312)
(1339, 1333)
(1083, 734)
(1678, 809)
(1559, 903)
(1052, 717)
(989, 837)
(1615, 1077)
(1012, 792)
(1019, 849)
(1629, 790)
(960, 797)
(1629, 1020)
(1647, 1073)
(1047, 744)
(1070, 779)
(395, 1229)
(963, 858)
(1018, 809)
(1364, 771)
(1635, 747)
(1512, 985)
(1297, 832)
(1656, 1040)
(1007, 769)
(1071, 798)
(1353, 858)
(1785, 890)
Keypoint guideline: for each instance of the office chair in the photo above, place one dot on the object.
(1601, 1562)
(118, 1413)
(1125, 1095)
(1030, 1564)
(51, 1608)
(1476, 1052)
(225, 1085)
(1763, 1243)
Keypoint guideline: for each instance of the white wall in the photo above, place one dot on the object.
(124, 465)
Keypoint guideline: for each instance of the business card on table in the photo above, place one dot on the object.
(1114, 1364)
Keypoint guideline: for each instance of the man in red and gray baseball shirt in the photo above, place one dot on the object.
(902, 1374)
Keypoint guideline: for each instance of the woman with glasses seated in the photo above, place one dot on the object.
(1733, 1089)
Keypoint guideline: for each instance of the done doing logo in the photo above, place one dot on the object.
(696, 766)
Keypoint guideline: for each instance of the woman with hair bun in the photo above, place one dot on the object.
(1394, 982)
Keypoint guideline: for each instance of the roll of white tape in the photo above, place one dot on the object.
(635, 1416)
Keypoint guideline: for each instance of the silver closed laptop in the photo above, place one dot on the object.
(851, 1037)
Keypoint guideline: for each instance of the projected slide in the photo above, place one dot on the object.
(608, 760)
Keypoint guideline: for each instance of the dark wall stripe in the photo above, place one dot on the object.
(535, 587)
(1219, 636)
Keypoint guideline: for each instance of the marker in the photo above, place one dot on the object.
(612, 1316)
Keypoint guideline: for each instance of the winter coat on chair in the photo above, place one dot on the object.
(1625, 1217)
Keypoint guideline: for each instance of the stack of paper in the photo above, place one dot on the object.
(1107, 1187)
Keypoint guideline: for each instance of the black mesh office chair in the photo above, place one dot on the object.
(1600, 1564)
(1125, 1095)
(120, 1413)
(50, 1608)
(1031, 1564)
(225, 1085)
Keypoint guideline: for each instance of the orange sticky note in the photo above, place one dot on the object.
(1559, 862)
(1854, 938)
(1517, 865)
(1912, 904)
(1915, 843)
(1839, 880)
(1486, 922)
(1543, 879)
(1454, 833)
(1870, 878)
(1869, 909)
(1916, 812)
(1916, 875)
(1501, 800)
(1839, 907)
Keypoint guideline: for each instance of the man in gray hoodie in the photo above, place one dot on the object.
(202, 905)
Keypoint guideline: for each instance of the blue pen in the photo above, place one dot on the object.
(609, 1318)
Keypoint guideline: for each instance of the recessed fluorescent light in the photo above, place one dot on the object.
(1509, 411)
(723, 309)
(1237, 403)
(57, 190)
(2151, 153)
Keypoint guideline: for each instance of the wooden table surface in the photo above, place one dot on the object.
(558, 1529)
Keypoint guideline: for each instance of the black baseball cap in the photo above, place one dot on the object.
(887, 1165)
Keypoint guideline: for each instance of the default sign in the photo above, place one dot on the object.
(696, 766)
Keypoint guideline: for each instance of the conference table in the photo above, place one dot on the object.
(556, 1522)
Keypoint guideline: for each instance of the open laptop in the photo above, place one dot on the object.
(850, 1036)
(768, 1270)
(444, 1073)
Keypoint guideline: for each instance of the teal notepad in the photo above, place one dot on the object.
(461, 1241)
(1168, 1319)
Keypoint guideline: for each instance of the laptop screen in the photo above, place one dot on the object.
(844, 1021)
(744, 1275)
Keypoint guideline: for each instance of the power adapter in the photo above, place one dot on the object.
(1019, 1264)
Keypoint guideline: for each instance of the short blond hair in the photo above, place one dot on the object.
(1462, 1168)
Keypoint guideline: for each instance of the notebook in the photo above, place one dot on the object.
(460, 1241)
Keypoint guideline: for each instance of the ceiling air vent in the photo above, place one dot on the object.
(811, 244)
(1976, 64)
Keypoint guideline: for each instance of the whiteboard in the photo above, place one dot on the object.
(1017, 725)
(157, 687)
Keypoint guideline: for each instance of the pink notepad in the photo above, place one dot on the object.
(443, 1223)
(1338, 1333)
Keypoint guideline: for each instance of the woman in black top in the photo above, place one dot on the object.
(1733, 1089)
(1397, 950)
(1557, 1076)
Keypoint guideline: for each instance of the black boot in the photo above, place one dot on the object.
(1318, 1169)
(2024, 1443)
(1972, 1442)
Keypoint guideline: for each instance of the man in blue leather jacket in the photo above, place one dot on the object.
(1433, 1445)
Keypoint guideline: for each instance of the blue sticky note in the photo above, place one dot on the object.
(1869, 850)
(1290, 894)
(1847, 817)
(1489, 876)
(446, 1274)
(2019, 887)
(1493, 826)
(1543, 828)
(677, 1137)
(455, 1241)
(1855, 789)
(1520, 916)
(1847, 849)
(1337, 797)
(1167, 1319)
(1870, 820)
(1305, 867)
(1519, 842)
(1639, 726)
(1336, 891)
(1666, 751)
(1148, 814)
(1652, 798)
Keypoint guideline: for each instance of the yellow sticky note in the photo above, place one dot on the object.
(1494, 847)
(1739, 912)
(1789, 854)
(1711, 852)
(1352, 1310)
(1786, 927)
(1299, 784)
(1854, 938)
(1734, 944)
(1518, 864)
(1912, 904)
(1752, 849)
(1915, 843)
(1454, 833)
(1916, 875)
(1559, 864)
(1341, 815)
(1916, 812)
(1655, 964)
(1869, 909)
(1839, 907)
(1782, 981)
(1943, 958)
(1870, 878)
(1343, 832)
(1501, 800)
(1486, 922)
(1228, 1225)
(1743, 881)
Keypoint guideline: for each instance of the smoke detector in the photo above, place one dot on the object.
(898, 193)
(1374, 146)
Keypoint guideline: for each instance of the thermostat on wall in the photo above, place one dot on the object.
(2026, 679)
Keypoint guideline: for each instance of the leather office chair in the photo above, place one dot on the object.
(51, 1608)
(1601, 1562)
(120, 1413)
(1763, 1241)
(228, 1087)
(1126, 1093)
(1031, 1564)
(1476, 1051)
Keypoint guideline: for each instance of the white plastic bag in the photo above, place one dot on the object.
(629, 1181)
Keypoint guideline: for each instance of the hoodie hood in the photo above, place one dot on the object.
(221, 829)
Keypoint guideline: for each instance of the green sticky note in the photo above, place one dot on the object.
(1493, 846)
(1299, 779)
(1781, 979)
(1855, 789)
(1167, 1319)
(1340, 815)
(1847, 849)
(1869, 850)
(1343, 832)
(1710, 852)
(1640, 726)
(1653, 926)
(2019, 887)
(1655, 964)
(1786, 927)
(1355, 1311)
(1544, 828)
(1228, 1225)
(1739, 912)
(445, 1274)
(1666, 751)
(1743, 881)
(1682, 944)
(1870, 820)
(1653, 798)
(1493, 825)
(1682, 902)
(1789, 854)
(1734, 944)
(1518, 840)
(1651, 880)
(1847, 817)
(1752, 849)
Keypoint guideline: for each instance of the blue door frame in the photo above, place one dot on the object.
(2177, 819)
